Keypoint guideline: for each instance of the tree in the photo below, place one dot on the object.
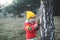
(47, 21)
(20, 6)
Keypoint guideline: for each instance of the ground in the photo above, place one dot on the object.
(12, 28)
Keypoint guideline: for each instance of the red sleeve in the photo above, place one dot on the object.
(37, 27)
(26, 26)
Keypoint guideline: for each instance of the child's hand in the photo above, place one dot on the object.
(35, 26)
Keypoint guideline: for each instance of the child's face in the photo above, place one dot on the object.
(32, 19)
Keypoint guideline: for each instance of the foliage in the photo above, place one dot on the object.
(20, 6)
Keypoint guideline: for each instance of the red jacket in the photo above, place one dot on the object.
(30, 33)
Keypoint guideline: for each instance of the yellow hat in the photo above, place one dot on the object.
(30, 14)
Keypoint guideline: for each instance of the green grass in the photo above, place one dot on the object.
(57, 27)
(12, 29)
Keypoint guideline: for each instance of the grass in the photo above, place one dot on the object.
(57, 27)
(13, 28)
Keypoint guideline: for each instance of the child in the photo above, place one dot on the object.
(30, 26)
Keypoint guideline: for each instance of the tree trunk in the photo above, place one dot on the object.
(46, 20)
